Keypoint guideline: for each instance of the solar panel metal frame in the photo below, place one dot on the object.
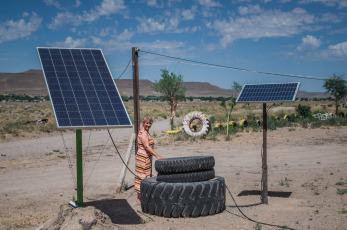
(127, 124)
(266, 95)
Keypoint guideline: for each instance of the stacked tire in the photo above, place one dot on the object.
(184, 187)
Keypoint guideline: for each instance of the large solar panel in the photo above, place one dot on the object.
(275, 92)
(82, 90)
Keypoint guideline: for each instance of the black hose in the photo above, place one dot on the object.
(273, 225)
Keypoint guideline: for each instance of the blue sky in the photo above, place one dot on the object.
(304, 37)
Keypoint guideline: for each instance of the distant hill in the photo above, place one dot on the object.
(31, 82)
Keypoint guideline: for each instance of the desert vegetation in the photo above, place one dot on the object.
(23, 119)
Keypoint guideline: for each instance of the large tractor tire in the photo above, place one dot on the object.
(187, 177)
(184, 164)
(191, 199)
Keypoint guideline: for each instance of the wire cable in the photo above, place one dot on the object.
(235, 68)
(125, 69)
(273, 225)
(69, 161)
(86, 155)
(96, 163)
(120, 155)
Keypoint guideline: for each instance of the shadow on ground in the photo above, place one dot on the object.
(270, 193)
(118, 210)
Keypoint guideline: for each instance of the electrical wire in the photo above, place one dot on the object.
(234, 68)
(125, 69)
(86, 155)
(273, 225)
(120, 155)
(96, 162)
(69, 161)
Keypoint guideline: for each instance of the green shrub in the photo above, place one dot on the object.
(316, 124)
(304, 122)
(341, 191)
(212, 120)
(304, 111)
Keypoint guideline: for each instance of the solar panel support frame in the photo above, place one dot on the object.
(50, 94)
(79, 163)
(264, 181)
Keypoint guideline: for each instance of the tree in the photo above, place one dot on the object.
(228, 109)
(237, 87)
(336, 85)
(172, 89)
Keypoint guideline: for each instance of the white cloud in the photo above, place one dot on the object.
(59, 6)
(150, 25)
(106, 8)
(333, 52)
(262, 23)
(188, 14)
(106, 31)
(118, 42)
(168, 23)
(333, 3)
(309, 43)
(154, 3)
(125, 35)
(122, 42)
(163, 46)
(208, 3)
(13, 30)
(250, 9)
(338, 51)
(330, 17)
(70, 43)
(209, 8)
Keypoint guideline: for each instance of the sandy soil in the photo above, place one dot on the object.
(36, 181)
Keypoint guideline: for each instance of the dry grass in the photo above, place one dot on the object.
(14, 115)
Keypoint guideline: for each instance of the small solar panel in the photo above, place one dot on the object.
(275, 92)
(82, 90)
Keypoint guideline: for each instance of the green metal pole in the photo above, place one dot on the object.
(79, 167)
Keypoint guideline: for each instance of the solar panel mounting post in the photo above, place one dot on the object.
(264, 192)
(79, 169)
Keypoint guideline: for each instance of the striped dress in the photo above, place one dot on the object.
(143, 161)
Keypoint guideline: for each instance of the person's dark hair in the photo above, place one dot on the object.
(147, 118)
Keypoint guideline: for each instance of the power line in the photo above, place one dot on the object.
(234, 68)
(125, 69)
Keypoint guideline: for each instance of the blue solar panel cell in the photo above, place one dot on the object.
(82, 91)
(268, 92)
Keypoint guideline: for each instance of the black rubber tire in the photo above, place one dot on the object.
(187, 177)
(190, 199)
(184, 164)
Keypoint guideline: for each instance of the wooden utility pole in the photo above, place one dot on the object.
(136, 92)
(264, 192)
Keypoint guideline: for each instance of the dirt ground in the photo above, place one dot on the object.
(36, 182)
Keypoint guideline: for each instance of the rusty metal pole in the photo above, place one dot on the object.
(264, 192)
(136, 92)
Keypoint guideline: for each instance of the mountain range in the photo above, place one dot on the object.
(31, 82)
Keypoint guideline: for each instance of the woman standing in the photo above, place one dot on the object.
(145, 144)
